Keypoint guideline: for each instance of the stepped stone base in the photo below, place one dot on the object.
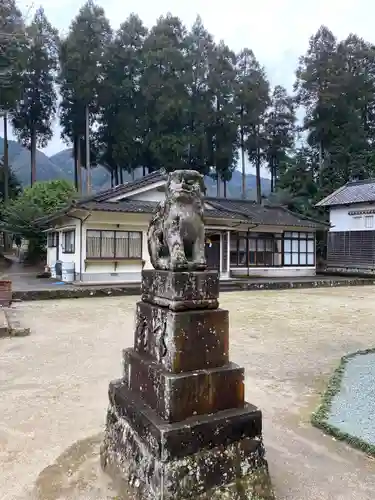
(219, 456)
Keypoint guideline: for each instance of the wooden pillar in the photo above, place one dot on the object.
(221, 254)
(228, 253)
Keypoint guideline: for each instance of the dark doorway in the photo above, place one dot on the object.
(213, 251)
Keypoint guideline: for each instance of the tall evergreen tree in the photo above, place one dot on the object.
(316, 85)
(297, 187)
(165, 141)
(199, 51)
(120, 102)
(222, 126)
(33, 119)
(251, 99)
(279, 130)
(12, 62)
(81, 59)
(12, 55)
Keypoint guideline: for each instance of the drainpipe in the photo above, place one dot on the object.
(80, 240)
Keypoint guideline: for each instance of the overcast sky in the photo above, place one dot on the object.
(277, 31)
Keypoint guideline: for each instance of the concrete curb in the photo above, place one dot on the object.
(230, 286)
(320, 417)
(9, 326)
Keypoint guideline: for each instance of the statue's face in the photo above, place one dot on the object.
(185, 184)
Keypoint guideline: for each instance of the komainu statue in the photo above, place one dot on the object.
(176, 237)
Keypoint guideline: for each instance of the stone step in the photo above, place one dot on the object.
(176, 397)
(182, 341)
(167, 441)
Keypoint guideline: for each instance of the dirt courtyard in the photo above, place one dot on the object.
(53, 387)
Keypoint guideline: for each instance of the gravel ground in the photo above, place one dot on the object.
(353, 408)
(53, 387)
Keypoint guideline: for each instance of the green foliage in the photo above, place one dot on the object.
(336, 85)
(81, 59)
(173, 98)
(14, 187)
(12, 45)
(120, 101)
(33, 119)
(252, 101)
(41, 199)
(279, 131)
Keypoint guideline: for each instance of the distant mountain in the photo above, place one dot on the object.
(61, 166)
(101, 179)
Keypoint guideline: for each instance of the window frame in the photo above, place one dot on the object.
(274, 239)
(369, 221)
(63, 242)
(302, 236)
(52, 236)
(114, 257)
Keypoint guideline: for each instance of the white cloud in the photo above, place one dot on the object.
(278, 32)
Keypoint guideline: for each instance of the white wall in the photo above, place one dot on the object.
(340, 219)
(152, 195)
(274, 272)
(104, 271)
(67, 258)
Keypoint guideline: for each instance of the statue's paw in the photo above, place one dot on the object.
(179, 264)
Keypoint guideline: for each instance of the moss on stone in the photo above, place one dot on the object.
(320, 417)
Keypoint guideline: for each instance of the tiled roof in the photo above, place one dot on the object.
(222, 208)
(147, 180)
(352, 192)
(265, 214)
(148, 207)
(238, 210)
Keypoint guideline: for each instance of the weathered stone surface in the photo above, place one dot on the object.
(181, 290)
(182, 341)
(175, 440)
(236, 471)
(176, 397)
(176, 234)
(178, 426)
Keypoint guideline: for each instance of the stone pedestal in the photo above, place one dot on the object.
(178, 426)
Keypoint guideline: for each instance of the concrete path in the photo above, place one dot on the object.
(53, 387)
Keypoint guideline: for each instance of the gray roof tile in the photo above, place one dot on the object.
(352, 192)
(238, 210)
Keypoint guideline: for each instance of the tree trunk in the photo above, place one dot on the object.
(121, 176)
(112, 179)
(218, 187)
(257, 166)
(259, 188)
(6, 159)
(88, 161)
(225, 189)
(271, 167)
(33, 155)
(77, 183)
(243, 165)
(115, 171)
(78, 166)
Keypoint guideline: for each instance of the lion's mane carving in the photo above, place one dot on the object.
(176, 238)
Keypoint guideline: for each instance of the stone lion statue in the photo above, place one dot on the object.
(176, 237)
